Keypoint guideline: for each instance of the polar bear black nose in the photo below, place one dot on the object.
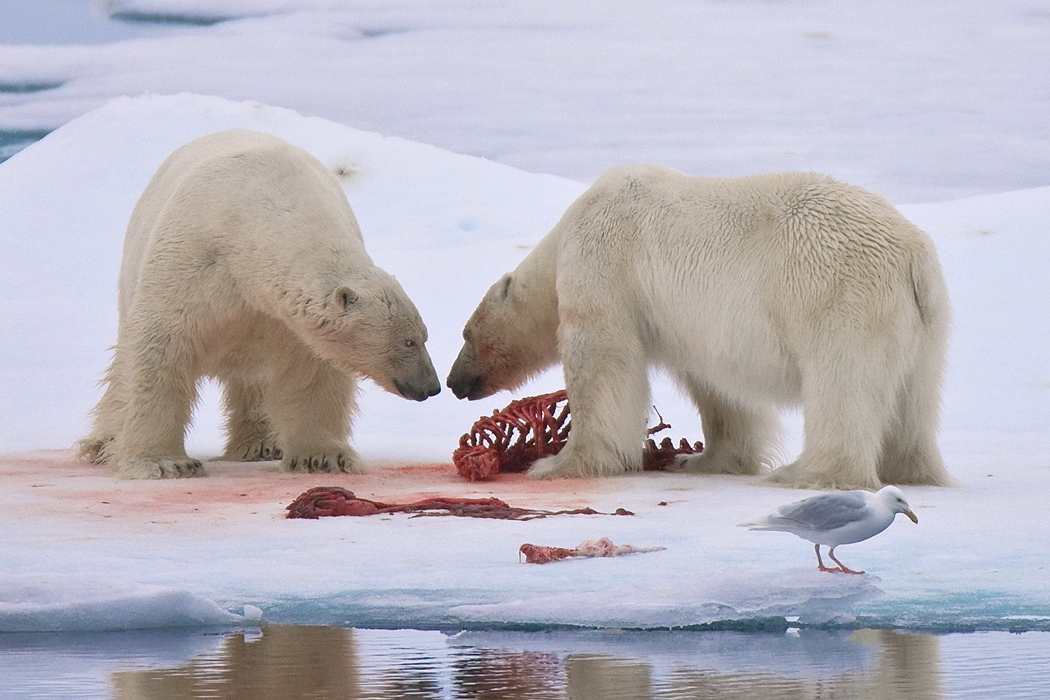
(468, 387)
(463, 379)
(419, 393)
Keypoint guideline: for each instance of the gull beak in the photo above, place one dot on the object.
(914, 518)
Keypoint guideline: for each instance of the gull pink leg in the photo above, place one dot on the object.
(820, 562)
(842, 567)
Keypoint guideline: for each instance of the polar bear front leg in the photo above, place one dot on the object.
(607, 381)
(249, 435)
(737, 439)
(160, 396)
(311, 405)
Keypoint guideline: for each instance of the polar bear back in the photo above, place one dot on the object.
(778, 263)
(239, 180)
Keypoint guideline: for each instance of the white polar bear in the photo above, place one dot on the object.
(243, 262)
(754, 294)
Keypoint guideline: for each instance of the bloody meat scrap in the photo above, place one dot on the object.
(510, 440)
(326, 501)
(604, 547)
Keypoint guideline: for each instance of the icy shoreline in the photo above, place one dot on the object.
(977, 560)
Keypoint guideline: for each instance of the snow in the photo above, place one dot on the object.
(422, 224)
(85, 551)
(54, 603)
(918, 101)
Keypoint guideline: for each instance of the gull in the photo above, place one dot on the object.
(842, 517)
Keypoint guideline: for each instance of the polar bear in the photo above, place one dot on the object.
(754, 294)
(244, 262)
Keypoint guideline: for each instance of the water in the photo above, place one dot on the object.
(11, 142)
(78, 22)
(287, 661)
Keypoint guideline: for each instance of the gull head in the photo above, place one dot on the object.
(893, 498)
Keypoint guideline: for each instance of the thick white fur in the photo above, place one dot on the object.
(243, 262)
(754, 293)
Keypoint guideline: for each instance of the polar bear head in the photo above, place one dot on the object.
(511, 336)
(372, 328)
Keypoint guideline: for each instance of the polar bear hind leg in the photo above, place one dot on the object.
(607, 382)
(310, 407)
(250, 438)
(108, 417)
(162, 393)
(737, 439)
(909, 451)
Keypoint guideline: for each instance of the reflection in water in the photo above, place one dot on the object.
(328, 662)
(904, 666)
(908, 665)
(283, 662)
(600, 677)
(488, 674)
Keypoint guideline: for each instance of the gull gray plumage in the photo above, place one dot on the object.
(842, 517)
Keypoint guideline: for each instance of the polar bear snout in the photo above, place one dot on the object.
(411, 375)
(419, 390)
(472, 388)
(464, 379)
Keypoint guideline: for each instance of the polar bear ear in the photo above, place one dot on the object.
(343, 297)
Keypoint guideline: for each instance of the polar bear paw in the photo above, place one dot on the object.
(693, 464)
(161, 468)
(547, 468)
(712, 462)
(253, 451)
(94, 450)
(565, 465)
(800, 476)
(332, 461)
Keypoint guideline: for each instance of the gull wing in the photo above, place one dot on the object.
(823, 513)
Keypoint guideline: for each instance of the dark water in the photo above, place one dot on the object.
(11, 142)
(285, 661)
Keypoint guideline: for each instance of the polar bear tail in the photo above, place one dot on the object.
(931, 294)
(924, 297)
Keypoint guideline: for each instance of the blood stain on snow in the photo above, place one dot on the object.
(80, 489)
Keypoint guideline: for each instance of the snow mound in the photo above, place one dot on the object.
(426, 215)
(35, 603)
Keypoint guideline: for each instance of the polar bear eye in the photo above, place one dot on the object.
(410, 343)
